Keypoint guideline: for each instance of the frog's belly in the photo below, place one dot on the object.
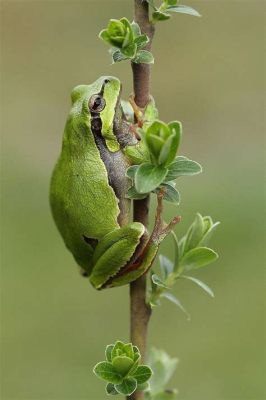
(84, 207)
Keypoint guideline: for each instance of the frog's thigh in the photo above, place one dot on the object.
(114, 251)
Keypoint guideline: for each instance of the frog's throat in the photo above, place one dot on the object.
(115, 165)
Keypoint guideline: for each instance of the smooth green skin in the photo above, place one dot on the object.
(83, 202)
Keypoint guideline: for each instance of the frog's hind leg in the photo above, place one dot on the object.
(141, 264)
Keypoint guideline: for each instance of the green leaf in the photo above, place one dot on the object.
(184, 10)
(183, 167)
(155, 144)
(197, 258)
(168, 151)
(118, 349)
(107, 372)
(130, 50)
(143, 57)
(176, 128)
(170, 2)
(200, 284)
(142, 374)
(128, 349)
(207, 236)
(181, 245)
(171, 194)
(117, 56)
(195, 233)
(133, 194)
(148, 177)
(108, 352)
(110, 389)
(135, 28)
(163, 367)
(127, 387)
(122, 364)
(176, 244)
(173, 299)
(143, 386)
(131, 171)
(136, 351)
(157, 281)
(141, 41)
(127, 110)
(160, 16)
(166, 395)
(166, 266)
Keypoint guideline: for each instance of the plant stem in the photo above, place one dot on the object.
(140, 311)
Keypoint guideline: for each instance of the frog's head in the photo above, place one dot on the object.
(99, 103)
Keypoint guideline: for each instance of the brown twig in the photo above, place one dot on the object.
(140, 311)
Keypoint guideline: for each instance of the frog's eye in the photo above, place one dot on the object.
(96, 103)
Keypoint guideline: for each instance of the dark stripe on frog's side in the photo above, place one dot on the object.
(115, 164)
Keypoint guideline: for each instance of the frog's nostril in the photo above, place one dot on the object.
(106, 81)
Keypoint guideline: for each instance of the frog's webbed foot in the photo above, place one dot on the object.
(147, 251)
(161, 230)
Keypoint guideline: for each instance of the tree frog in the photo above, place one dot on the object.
(89, 186)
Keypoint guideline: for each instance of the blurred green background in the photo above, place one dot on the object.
(209, 73)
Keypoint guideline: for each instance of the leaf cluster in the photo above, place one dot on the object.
(122, 370)
(191, 252)
(127, 41)
(163, 12)
(163, 367)
(160, 166)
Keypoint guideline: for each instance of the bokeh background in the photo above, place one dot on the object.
(209, 73)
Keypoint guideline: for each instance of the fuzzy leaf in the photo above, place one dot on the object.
(131, 171)
(141, 41)
(166, 266)
(135, 28)
(143, 57)
(197, 258)
(207, 236)
(110, 389)
(107, 372)
(173, 299)
(133, 194)
(142, 374)
(163, 367)
(127, 387)
(108, 352)
(177, 254)
(122, 364)
(160, 16)
(172, 194)
(184, 10)
(127, 110)
(201, 284)
(117, 56)
(166, 395)
(195, 233)
(157, 281)
(148, 177)
(183, 168)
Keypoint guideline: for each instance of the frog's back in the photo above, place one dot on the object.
(84, 205)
